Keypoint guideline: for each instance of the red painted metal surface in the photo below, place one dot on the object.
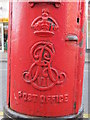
(46, 58)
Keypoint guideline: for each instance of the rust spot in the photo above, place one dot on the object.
(81, 43)
(83, 28)
(74, 106)
(81, 54)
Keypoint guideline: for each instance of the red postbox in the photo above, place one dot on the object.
(45, 59)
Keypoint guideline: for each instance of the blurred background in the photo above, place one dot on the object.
(4, 18)
(4, 15)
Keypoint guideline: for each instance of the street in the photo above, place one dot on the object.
(3, 86)
(3, 83)
(85, 88)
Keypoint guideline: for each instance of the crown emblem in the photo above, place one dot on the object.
(44, 25)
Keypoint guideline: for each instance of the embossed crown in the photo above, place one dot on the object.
(44, 25)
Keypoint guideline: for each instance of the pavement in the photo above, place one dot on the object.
(3, 84)
(3, 56)
(87, 57)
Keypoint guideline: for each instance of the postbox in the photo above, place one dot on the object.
(46, 51)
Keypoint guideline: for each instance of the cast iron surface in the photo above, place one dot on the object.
(8, 113)
(46, 49)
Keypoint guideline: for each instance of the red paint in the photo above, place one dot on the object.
(46, 58)
(44, 25)
(41, 74)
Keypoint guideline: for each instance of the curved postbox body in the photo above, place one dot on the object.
(46, 58)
